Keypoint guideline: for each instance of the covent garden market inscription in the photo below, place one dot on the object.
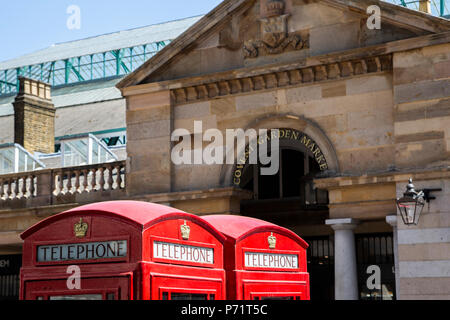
(300, 139)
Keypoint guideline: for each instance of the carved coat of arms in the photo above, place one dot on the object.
(275, 35)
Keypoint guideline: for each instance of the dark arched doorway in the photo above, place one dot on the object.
(290, 199)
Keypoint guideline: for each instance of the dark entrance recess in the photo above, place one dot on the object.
(321, 267)
(10, 277)
(288, 197)
(376, 250)
(371, 249)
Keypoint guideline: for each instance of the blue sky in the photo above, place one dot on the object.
(30, 25)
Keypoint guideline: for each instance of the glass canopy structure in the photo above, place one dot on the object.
(84, 150)
(109, 55)
(84, 68)
(14, 159)
(440, 8)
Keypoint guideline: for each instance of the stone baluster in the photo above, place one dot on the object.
(54, 183)
(11, 188)
(110, 177)
(124, 175)
(102, 178)
(77, 181)
(31, 189)
(85, 180)
(119, 177)
(7, 188)
(94, 179)
(24, 187)
(1, 189)
(16, 188)
(60, 183)
(69, 181)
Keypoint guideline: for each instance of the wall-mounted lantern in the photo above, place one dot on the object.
(412, 203)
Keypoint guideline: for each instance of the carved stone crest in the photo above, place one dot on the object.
(275, 36)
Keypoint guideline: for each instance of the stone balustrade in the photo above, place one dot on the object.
(89, 179)
(17, 186)
(83, 184)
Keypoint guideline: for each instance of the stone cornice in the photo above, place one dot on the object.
(342, 224)
(314, 61)
(284, 77)
(195, 195)
(338, 182)
(395, 14)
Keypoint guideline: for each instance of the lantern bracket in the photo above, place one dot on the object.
(427, 194)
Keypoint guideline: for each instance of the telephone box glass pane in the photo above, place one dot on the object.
(78, 297)
(277, 298)
(188, 296)
(110, 296)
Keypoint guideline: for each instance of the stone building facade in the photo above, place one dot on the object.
(375, 103)
(359, 111)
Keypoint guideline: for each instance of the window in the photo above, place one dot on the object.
(293, 180)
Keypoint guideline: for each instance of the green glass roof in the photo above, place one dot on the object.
(104, 56)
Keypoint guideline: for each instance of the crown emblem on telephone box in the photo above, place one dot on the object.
(81, 229)
(272, 241)
(185, 231)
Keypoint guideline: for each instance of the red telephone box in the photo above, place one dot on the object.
(262, 260)
(123, 250)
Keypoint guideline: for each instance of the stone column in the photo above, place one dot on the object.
(345, 270)
(392, 220)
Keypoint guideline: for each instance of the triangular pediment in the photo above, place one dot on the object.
(252, 33)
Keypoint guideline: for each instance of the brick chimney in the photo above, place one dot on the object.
(425, 6)
(34, 117)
